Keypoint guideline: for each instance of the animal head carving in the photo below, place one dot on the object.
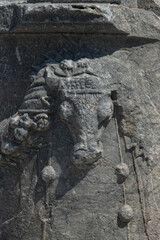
(85, 107)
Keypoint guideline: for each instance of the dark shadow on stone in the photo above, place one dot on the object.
(120, 223)
(4, 236)
(120, 179)
(69, 178)
(9, 180)
(70, 175)
(40, 190)
(74, 176)
(41, 162)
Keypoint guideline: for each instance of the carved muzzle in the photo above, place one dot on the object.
(86, 154)
(86, 122)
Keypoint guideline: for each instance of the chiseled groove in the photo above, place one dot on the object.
(141, 195)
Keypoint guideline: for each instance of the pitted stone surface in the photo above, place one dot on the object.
(76, 18)
(57, 52)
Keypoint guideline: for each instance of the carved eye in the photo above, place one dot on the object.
(66, 64)
(66, 110)
(63, 66)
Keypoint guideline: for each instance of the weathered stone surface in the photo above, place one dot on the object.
(153, 5)
(101, 83)
(105, 18)
(129, 3)
(76, 1)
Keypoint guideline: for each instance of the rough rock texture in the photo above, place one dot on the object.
(86, 18)
(96, 67)
(129, 3)
(152, 5)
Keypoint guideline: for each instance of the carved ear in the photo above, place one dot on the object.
(51, 80)
(105, 109)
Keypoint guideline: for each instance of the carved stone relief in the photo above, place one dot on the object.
(69, 174)
(83, 104)
(72, 92)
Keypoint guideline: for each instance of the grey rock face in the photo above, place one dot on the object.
(104, 18)
(130, 3)
(79, 121)
(152, 5)
(76, 1)
(122, 171)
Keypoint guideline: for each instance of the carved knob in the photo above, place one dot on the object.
(122, 171)
(48, 174)
(8, 147)
(125, 213)
(14, 121)
(20, 134)
(42, 122)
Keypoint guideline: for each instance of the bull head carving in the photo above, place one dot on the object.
(85, 107)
